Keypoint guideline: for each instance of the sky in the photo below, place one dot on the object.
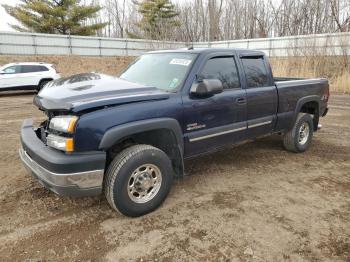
(5, 18)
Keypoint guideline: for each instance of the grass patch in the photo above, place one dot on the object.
(335, 68)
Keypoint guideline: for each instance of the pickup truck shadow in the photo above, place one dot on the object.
(246, 155)
(264, 153)
(251, 157)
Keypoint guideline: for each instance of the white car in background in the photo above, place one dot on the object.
(26, 76)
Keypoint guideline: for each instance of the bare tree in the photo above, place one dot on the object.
(203, 20)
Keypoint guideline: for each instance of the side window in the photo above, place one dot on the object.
(33, 68)
(42, 68)
(27, 69)
(12, 70)
(255, 71)
(224, 69)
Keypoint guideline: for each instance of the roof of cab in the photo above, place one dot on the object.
(239, 51)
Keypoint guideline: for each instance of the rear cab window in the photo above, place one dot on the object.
(255, 71)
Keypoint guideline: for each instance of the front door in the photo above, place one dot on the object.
(219, 120)
(10, 76)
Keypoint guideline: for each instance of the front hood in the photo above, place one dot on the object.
(90, 90)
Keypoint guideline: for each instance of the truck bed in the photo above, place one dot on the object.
(281, 79)
(293, 90)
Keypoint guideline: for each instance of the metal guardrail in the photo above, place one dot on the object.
(13, 43)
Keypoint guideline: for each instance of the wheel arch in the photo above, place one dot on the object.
(309, 105)
(48, 79)
(45, 79)
(163, 133)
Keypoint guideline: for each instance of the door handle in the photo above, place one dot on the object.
(240, 100)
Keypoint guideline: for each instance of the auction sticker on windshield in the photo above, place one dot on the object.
(179, 61)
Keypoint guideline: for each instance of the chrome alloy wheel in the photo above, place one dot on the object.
(144, 183)
(304, 132)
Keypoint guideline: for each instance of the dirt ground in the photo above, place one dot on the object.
(255, 202)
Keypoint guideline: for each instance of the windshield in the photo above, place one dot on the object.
(165, 71)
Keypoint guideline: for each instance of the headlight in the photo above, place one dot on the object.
(64, 124)
(60, 143)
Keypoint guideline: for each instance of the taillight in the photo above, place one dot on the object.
(54, 68)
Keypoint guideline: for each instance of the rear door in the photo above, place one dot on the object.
(262, 97)
(219, 120)
(32, 74)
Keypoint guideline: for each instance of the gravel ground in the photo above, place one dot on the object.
(255, 202)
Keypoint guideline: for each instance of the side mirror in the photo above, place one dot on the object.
(207, 87)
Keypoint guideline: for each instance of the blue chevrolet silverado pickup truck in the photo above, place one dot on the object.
(127, 137)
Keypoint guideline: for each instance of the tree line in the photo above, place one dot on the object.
(188, 21)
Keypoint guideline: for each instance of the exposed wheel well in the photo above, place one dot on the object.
(312, 108)
(45, 79)
(164, 139)
(41, 81)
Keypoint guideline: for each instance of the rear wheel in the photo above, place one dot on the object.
(138, 180)
(42, 84)
(299, 138)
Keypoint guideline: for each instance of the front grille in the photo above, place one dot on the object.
(43, 134)
(42, 130)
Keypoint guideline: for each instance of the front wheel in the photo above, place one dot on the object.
(299, 138)
(138, 180)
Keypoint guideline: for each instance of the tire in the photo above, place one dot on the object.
(297, 141)
(42, 84)
(123, 183)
